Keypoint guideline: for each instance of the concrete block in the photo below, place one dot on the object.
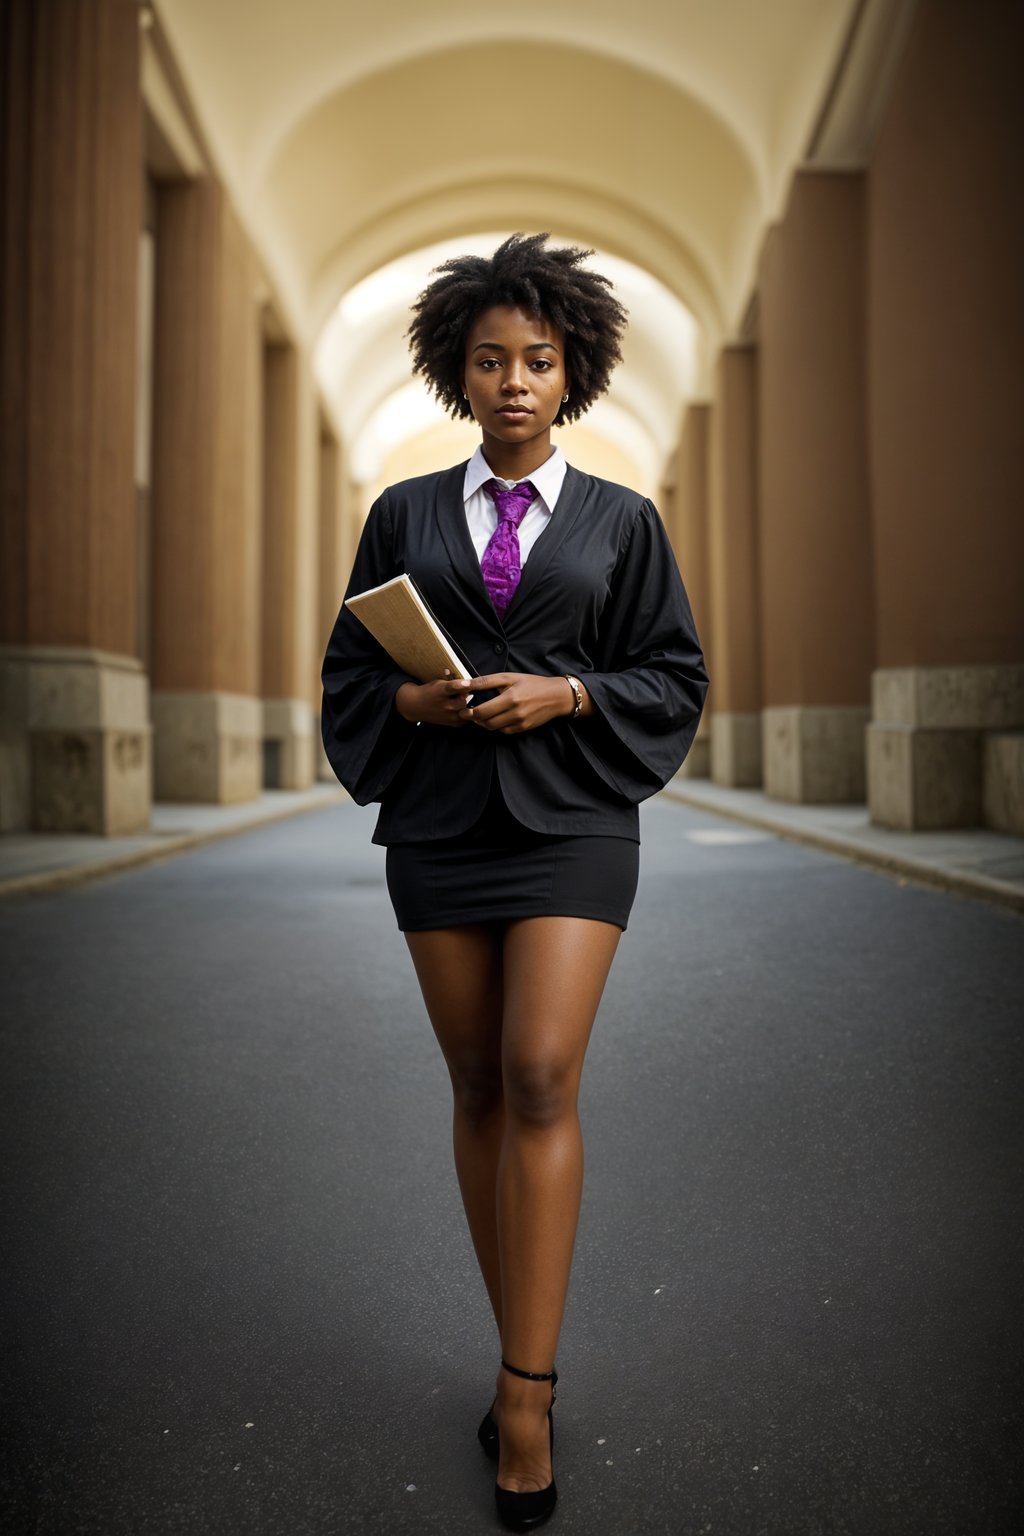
(15, 780)
(207, 747)
(736, 749)
(290, 725)
(814, 755)
(75, 741)
(977, 698)
(99, 782)
(1002, 777)
(923, 780)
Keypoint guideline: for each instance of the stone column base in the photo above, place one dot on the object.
(736, 749)
(814, 754)
(207, 746)
(922, 780)
(288, 743)
(943, 747)
(1002, 781)
(75, 741)
(697, 764)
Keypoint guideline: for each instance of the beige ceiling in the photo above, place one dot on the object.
(661, 132)
(663, 129)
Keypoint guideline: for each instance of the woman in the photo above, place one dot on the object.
(509, 802)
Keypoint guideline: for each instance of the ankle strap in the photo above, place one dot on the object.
(551, 1375)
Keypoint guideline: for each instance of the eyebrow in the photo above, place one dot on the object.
(497, 346)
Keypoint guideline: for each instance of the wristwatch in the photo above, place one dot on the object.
(577, 692)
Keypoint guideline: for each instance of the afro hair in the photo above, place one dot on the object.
(549, 282)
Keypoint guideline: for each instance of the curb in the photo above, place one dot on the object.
(979, 887)
(81, 874)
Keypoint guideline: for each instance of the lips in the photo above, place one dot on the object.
(514, 410)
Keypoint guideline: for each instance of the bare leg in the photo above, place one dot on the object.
(460, 976)
(555, 969)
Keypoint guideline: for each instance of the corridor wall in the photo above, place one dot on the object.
(74, 705)
(946, 327)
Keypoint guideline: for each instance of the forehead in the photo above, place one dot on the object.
(512, 327)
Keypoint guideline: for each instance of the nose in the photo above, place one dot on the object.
(514, 381)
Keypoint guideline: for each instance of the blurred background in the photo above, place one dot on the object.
(216, 214)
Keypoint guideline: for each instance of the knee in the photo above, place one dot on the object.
(477, 1090)
(539, 1092)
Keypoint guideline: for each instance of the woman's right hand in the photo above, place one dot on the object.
(440, 703)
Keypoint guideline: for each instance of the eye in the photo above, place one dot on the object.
(543, 363)
(489, 363)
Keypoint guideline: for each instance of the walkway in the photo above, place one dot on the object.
(240, 1299)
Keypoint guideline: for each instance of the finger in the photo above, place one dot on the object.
(510, 717)
(493, 680)
(485, 712)
(494, 722)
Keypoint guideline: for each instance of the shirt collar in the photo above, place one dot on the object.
(547, 479)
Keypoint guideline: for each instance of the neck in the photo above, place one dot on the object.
(514, 461)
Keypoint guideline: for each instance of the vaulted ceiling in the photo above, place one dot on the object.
(661, 132)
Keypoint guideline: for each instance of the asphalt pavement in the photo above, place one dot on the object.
(238, 1292)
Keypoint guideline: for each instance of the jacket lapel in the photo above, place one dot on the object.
(450, 509)
(567, 509)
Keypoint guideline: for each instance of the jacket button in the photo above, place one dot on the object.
(498, 647)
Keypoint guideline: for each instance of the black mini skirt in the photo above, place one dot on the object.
(499, 870)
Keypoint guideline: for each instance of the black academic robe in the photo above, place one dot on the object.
(600, 597)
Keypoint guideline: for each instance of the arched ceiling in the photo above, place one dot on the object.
(523, 114)
(349, 135)
(739, 58)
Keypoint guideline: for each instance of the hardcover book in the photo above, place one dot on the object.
(399, 619)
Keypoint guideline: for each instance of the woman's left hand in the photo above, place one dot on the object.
(523, 701)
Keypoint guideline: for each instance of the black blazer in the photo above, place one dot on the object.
(600, 596)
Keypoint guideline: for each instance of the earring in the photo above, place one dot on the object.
(564, 399)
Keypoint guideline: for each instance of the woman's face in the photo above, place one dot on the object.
(515, 374)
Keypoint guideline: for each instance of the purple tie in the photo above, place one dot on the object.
(500, 566)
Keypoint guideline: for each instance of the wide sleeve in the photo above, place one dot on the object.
(650, 688)
(364, 736)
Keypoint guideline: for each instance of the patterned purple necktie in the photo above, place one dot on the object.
(500, 566)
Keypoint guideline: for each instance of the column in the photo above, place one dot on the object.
(289, 550)
(74, 708)
(735, 638)
(814, 546)
(205, 500)
(689, 532)
(331, 567)
(946, 318)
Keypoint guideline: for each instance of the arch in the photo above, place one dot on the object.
(660, 180)
(572, 213)
(686, 70)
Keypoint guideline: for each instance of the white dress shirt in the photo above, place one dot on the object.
(482, 514)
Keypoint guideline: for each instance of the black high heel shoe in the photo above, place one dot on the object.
(525, 1511)
(487, 1434)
